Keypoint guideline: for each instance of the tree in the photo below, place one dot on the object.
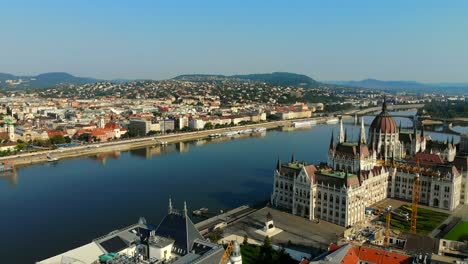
(59, 139)
(246, 240)
(83, 137)
(267, 247)
(20, 146)
(67, 139)
(153, 132)
(209, 125)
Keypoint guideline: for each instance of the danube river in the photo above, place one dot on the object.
(49, 208)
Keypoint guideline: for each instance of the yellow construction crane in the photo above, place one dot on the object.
(416, 189)
(227, 253)
(388, 218)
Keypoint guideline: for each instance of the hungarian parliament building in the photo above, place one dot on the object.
(359, 174)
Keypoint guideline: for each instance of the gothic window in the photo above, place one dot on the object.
(325, 196)
(436, 202)
(319, 195)
(447, 189)
(436, 187)
(343, 201)
(446, 203)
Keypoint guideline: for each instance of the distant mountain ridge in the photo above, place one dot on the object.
(408, 86)
(278, 78)
(52, 79)
(44, 80)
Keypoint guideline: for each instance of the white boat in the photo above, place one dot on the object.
(246, 131)
(50, 158)
(231, 133)
(259, 129)
(304, 124)
(332, 120)
(215, 135)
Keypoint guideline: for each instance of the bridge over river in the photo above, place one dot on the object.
(418, 120)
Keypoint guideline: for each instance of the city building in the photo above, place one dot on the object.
(175, 240)
(359, 174)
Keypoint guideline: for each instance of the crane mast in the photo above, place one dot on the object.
(416, 189)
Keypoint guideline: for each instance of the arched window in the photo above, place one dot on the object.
(331, 198)
(325, 196)
(446, 204)
(436, 202)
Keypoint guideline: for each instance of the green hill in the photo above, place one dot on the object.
(278, 78)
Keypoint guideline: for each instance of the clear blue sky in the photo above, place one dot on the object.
(327, 40)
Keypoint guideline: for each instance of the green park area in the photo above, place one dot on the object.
(253, 254)
(459, 232)
(427, 219)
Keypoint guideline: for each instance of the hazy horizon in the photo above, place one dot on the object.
(422, 41)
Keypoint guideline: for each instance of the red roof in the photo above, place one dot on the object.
(372, 255)
(427, 159)
(54, 133)
(111, 125)
(310, 169)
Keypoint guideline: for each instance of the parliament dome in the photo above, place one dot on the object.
(384, 122)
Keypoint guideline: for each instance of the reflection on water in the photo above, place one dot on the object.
(10, 176)
(184, 147)
(460, 129)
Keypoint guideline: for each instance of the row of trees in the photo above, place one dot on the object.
(446, 109)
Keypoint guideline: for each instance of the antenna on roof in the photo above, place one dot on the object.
(170, 206)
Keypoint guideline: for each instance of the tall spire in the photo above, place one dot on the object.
(373, 141)
(293, 159)
(342, 134)
(170, 206)
(331, 141)
(278, 165)
(346, 178)
(362, 136)
(384, 105)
